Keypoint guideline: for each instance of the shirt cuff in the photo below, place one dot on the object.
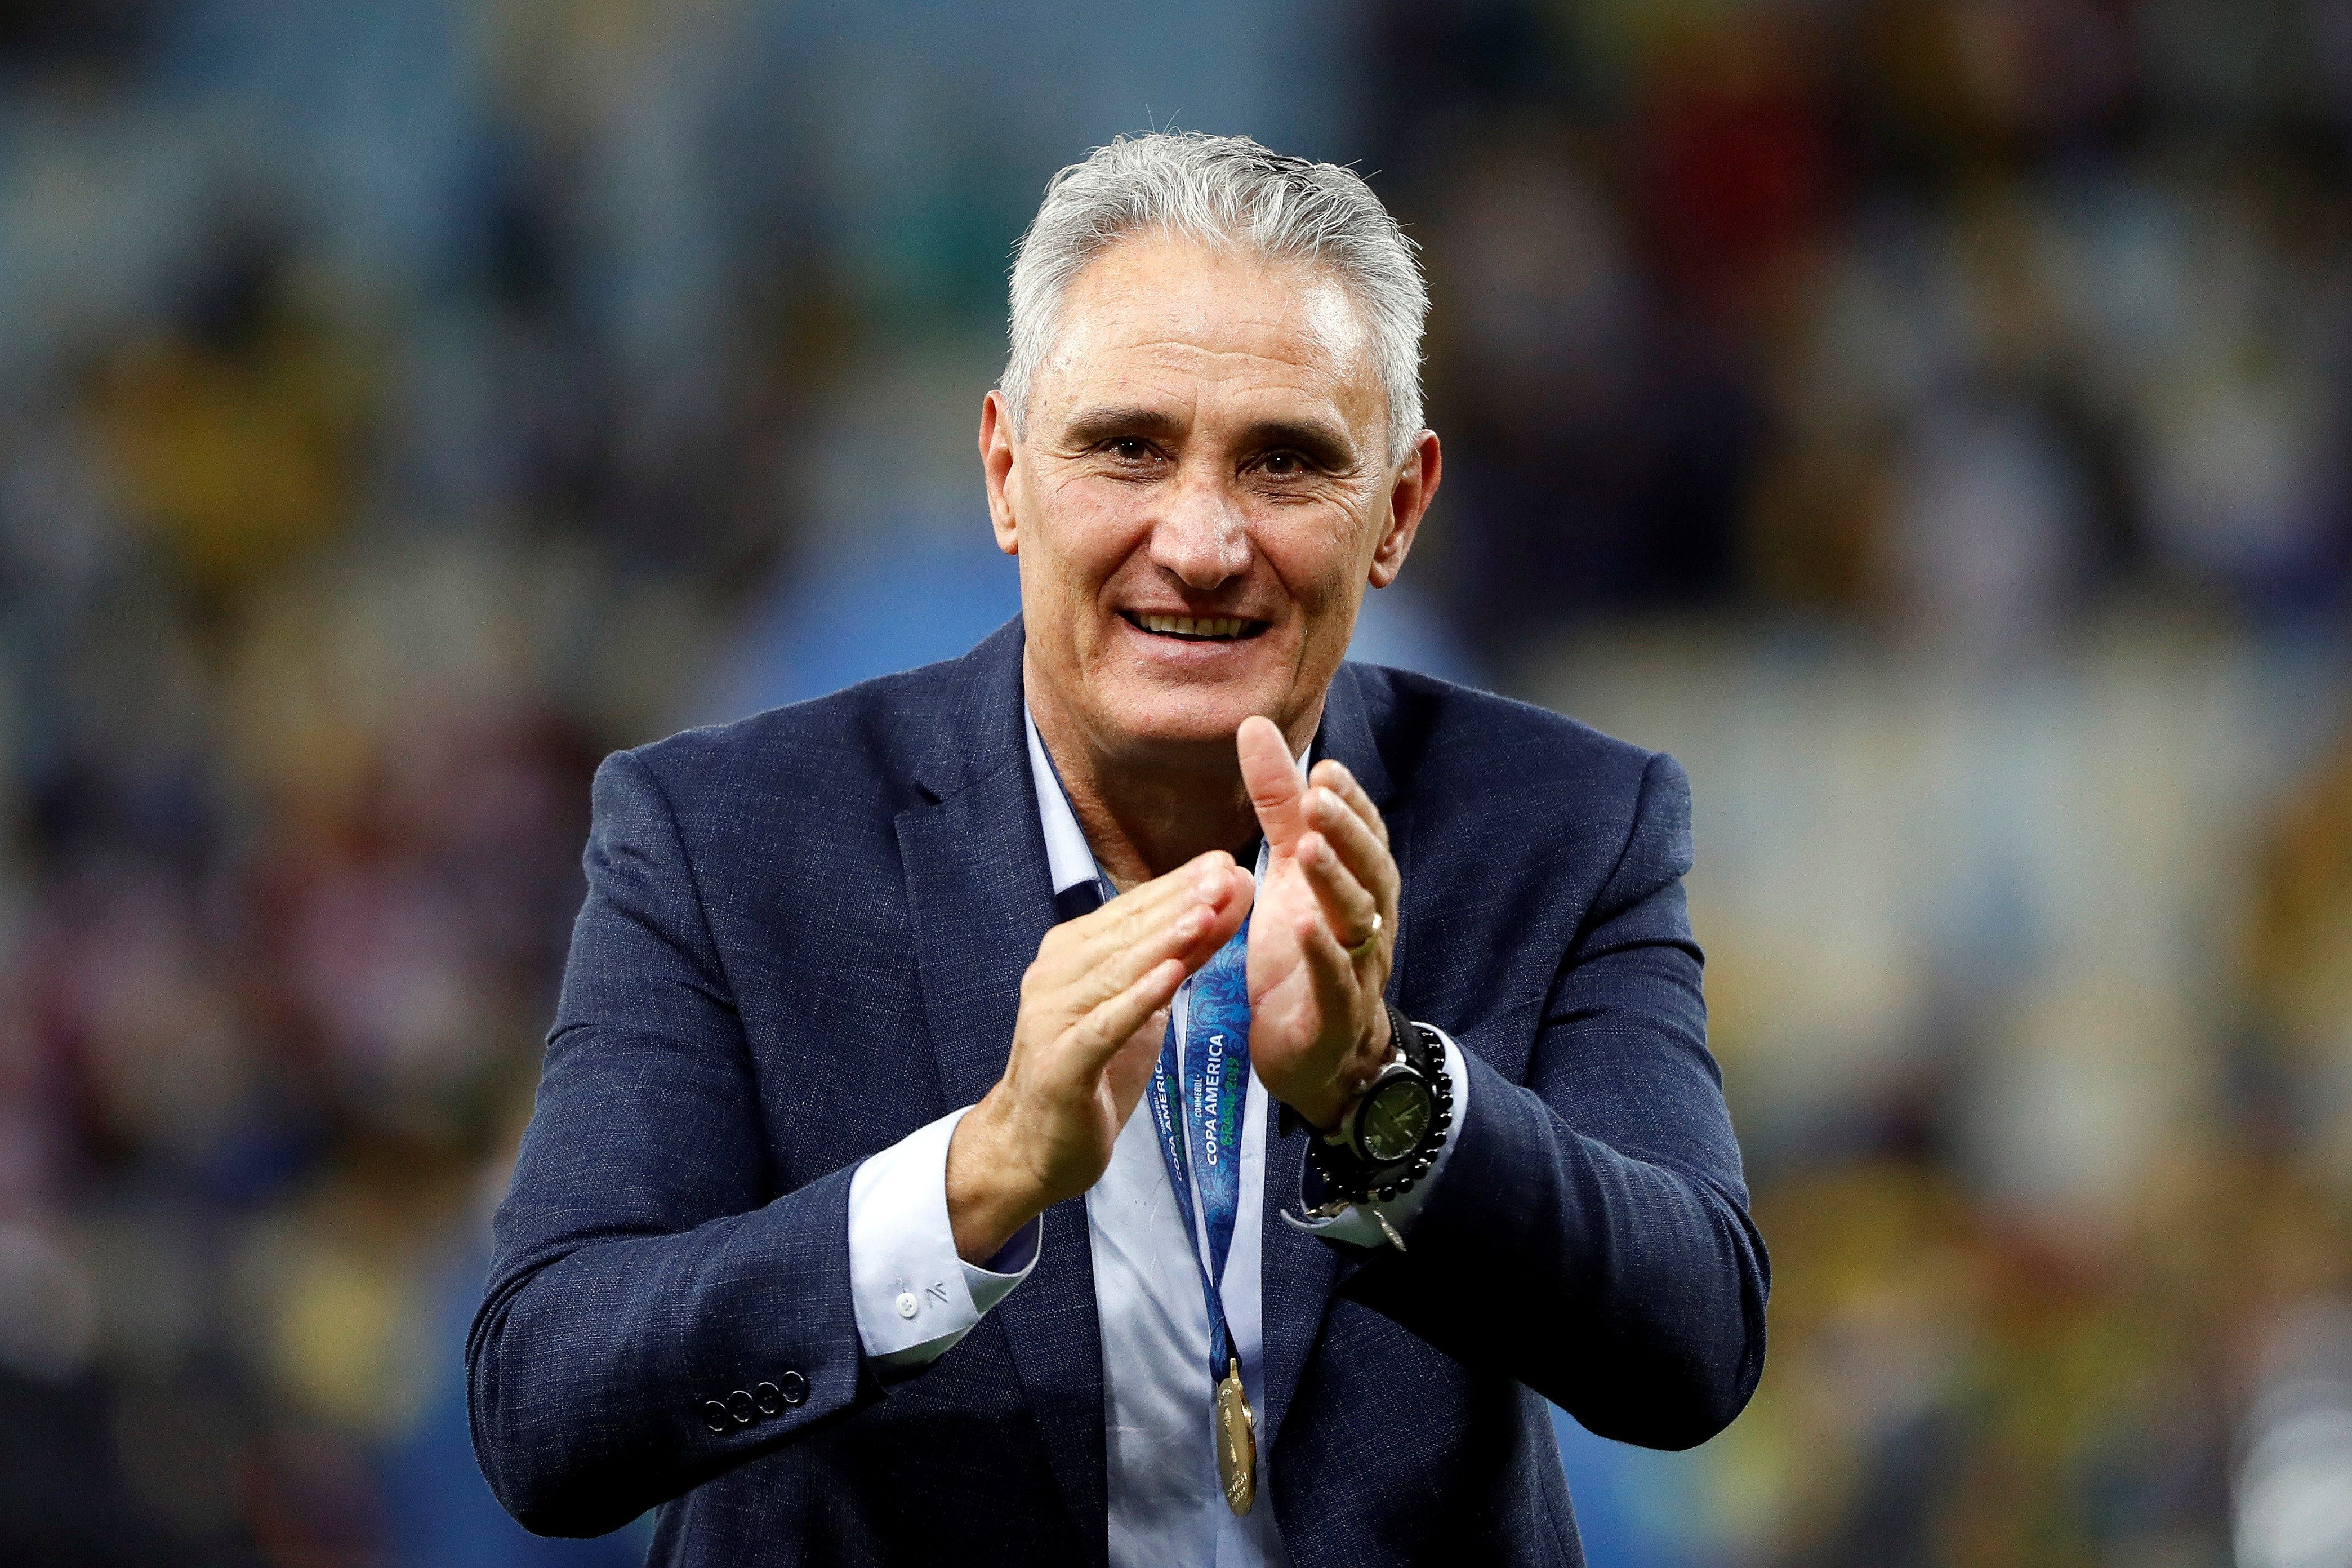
(1357, 1226)
(913, 1297)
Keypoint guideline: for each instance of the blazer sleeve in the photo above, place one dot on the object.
(1591, 1235)
(641, 1274)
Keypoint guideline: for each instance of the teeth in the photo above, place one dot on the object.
(1193, 625)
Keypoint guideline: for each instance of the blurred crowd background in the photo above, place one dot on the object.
(1926, 417)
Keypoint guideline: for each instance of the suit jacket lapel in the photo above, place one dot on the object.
(980, 900)
(1298, 1271)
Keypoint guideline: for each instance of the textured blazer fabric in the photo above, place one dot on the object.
(804, 939)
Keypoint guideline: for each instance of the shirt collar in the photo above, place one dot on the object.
(1067, 857)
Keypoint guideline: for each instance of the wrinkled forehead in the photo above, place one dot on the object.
(1171, 311)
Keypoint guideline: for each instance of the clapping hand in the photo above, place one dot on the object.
(1094, 1009)
(1325, 930)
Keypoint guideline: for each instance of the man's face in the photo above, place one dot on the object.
(1200, 494)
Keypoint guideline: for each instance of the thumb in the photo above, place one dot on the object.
(1271, 775)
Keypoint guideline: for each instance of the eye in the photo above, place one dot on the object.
(1282, 465)
(1128, 448)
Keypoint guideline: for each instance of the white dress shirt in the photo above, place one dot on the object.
(914, 1298)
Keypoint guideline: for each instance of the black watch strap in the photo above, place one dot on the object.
(1405, 1035)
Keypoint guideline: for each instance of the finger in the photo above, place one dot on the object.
(1091, 1042)
(1352, 836)
(1242, 888)
(1164, 895)
(1184, 940)
(1272, 777)
(1057, 993)
(1328, 966)
(1130, 1066)
(1078, 945)
(1193, 942)
(1231, 905)
(1351, 913)
(1333, 775)
(1191, 939)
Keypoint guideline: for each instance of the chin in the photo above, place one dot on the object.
(1159, 716)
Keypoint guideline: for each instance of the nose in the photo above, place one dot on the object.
(1201, 537)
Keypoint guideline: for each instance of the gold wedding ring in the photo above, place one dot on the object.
(1364, 948)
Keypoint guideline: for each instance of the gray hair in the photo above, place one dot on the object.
(1222, 190)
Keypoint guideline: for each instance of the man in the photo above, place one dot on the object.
(837, 1233)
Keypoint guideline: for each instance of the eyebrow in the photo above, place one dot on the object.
(1315, 439)
(1093, 425)
(1328, 447)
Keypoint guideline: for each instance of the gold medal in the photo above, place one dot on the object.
(1236, 1442)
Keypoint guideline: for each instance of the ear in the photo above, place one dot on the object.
(996, 469)
(1408, 497)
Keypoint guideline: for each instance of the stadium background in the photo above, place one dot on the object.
(1925, 417)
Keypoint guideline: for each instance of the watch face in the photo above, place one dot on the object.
(1395, 1119)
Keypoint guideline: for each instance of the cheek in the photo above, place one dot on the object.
(1318, 553)
(1089, 532)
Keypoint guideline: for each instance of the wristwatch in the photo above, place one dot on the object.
(1388, 1138)
(1391, 1115)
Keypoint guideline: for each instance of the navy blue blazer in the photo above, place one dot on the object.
(804, 939)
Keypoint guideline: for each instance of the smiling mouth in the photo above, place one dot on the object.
(1196, 628)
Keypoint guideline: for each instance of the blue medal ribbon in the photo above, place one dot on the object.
(1201, 1130)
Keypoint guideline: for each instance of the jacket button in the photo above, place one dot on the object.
(795, 1388)
(715, 1417)
(738, 1405)
(770, 1398)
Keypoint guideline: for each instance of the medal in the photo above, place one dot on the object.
(1236, 1442)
